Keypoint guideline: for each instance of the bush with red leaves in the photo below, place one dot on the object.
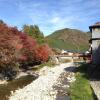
(18, 48)
(27, 55)
(9, 38)
(42, 53)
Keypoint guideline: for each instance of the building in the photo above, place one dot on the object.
(95, 42)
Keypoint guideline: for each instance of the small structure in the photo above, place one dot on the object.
(63, 51)
(95, 42)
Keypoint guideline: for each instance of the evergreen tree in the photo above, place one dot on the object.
(34, 31)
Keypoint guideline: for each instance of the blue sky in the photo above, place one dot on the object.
(51, 15)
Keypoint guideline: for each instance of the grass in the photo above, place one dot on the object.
(61, 44)
(80, 89)
(67, 45)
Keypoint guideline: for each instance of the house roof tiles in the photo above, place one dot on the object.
(96, 25)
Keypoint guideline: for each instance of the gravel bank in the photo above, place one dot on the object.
(42, 88)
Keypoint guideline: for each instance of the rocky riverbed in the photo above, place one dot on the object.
(51, 83)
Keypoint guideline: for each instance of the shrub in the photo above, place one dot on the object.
(42, 53)
(17, 48)
(27, 56)
(8, 52)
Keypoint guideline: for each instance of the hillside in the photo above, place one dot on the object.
(69, 39)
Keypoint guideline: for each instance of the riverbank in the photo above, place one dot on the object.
(42, 88)
(81, 88)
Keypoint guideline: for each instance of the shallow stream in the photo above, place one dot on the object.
(5, 89)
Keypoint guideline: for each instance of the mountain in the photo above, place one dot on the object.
(69, 39)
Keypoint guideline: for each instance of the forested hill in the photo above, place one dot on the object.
(69, 39)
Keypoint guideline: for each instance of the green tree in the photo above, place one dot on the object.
(34, 31)
(1, 22)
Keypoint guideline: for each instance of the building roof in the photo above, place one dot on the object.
(96, 25)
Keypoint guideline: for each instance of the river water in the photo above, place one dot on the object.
(5, 89)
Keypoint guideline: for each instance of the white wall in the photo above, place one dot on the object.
(96, 33)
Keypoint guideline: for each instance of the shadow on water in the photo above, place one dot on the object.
(14, 85)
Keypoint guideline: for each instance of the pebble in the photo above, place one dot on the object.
(41, 88)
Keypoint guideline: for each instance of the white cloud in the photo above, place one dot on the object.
(55, 20)
(52, 15)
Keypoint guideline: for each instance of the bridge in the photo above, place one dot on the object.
(75, 56)
(71, 55)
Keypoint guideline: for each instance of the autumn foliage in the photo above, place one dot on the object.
(42, 53)
(17, 48)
